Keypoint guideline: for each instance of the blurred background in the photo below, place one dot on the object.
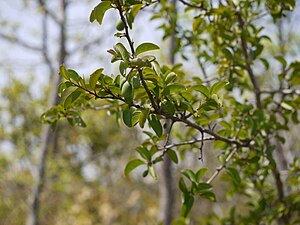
(81, 168)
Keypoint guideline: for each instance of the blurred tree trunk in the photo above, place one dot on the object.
(166, 186)
(48, 137)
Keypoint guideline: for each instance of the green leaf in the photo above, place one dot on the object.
(127, 92)
(63, 72)
(218, 86)
(144, 152)
(135, 9)
(200, 173)
(79, 121)
(188, 201)
(145, 173)
(136, 82)
(99, 11)
(190, 175)
(168, 107)
(71, 98)
(182, 185)
(203, 187)
(209, 195)
(62, 87)
(234, 174)
(170, 77)
(131, 165)
(173, 156)
(152, 171)
(94, 77)
(202, 89)
(155, 124)
(127, 117)
(122, 51)
(281, 60)
(143, 117)
(135, 117)
(145, 47)
(173, 88)
(72, 74)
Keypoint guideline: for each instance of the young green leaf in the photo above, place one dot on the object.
(202, 89)
(63, 72)
(145, 47)
(203, 187)
(188, 201)
(200, 173)
(71, 98)
(209, 195)
(218, 86)
(152, 171)
(173, 88)
(94, 77)
(173, 156)
(234, 175)
(99, 11)
(72, 74)
(143, 117)
(122, 51)
(144, 152)
(131, 165)
(182, 185)
(190, 175)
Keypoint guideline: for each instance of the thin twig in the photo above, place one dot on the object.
(281, 91)
(192, 5)
(221, 167)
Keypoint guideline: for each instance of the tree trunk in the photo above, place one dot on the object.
(166, 186)
(47, 136)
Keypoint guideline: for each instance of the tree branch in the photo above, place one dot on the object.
(221, 167)
(248, 61)
(192, 5)
(20, 42)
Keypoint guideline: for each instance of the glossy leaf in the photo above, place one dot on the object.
(127, 92)
(143, 117)
(218, 86)
(152, 171)
(72, 98)
(122, 51)
(173, 88)
(127, 117)
(145, 47)
(131, 165)
(200, 173)
(190, 175)
(94, 77)
(155, 124)
(203, 187)
(182, 185)
(188, 201)
(202, 89)
(209, 195)
(63, 72)
(173, 156)
(99, 11)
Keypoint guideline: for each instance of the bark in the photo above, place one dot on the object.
(166, 186)
(47, 136)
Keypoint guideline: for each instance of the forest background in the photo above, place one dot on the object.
(82, 169)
